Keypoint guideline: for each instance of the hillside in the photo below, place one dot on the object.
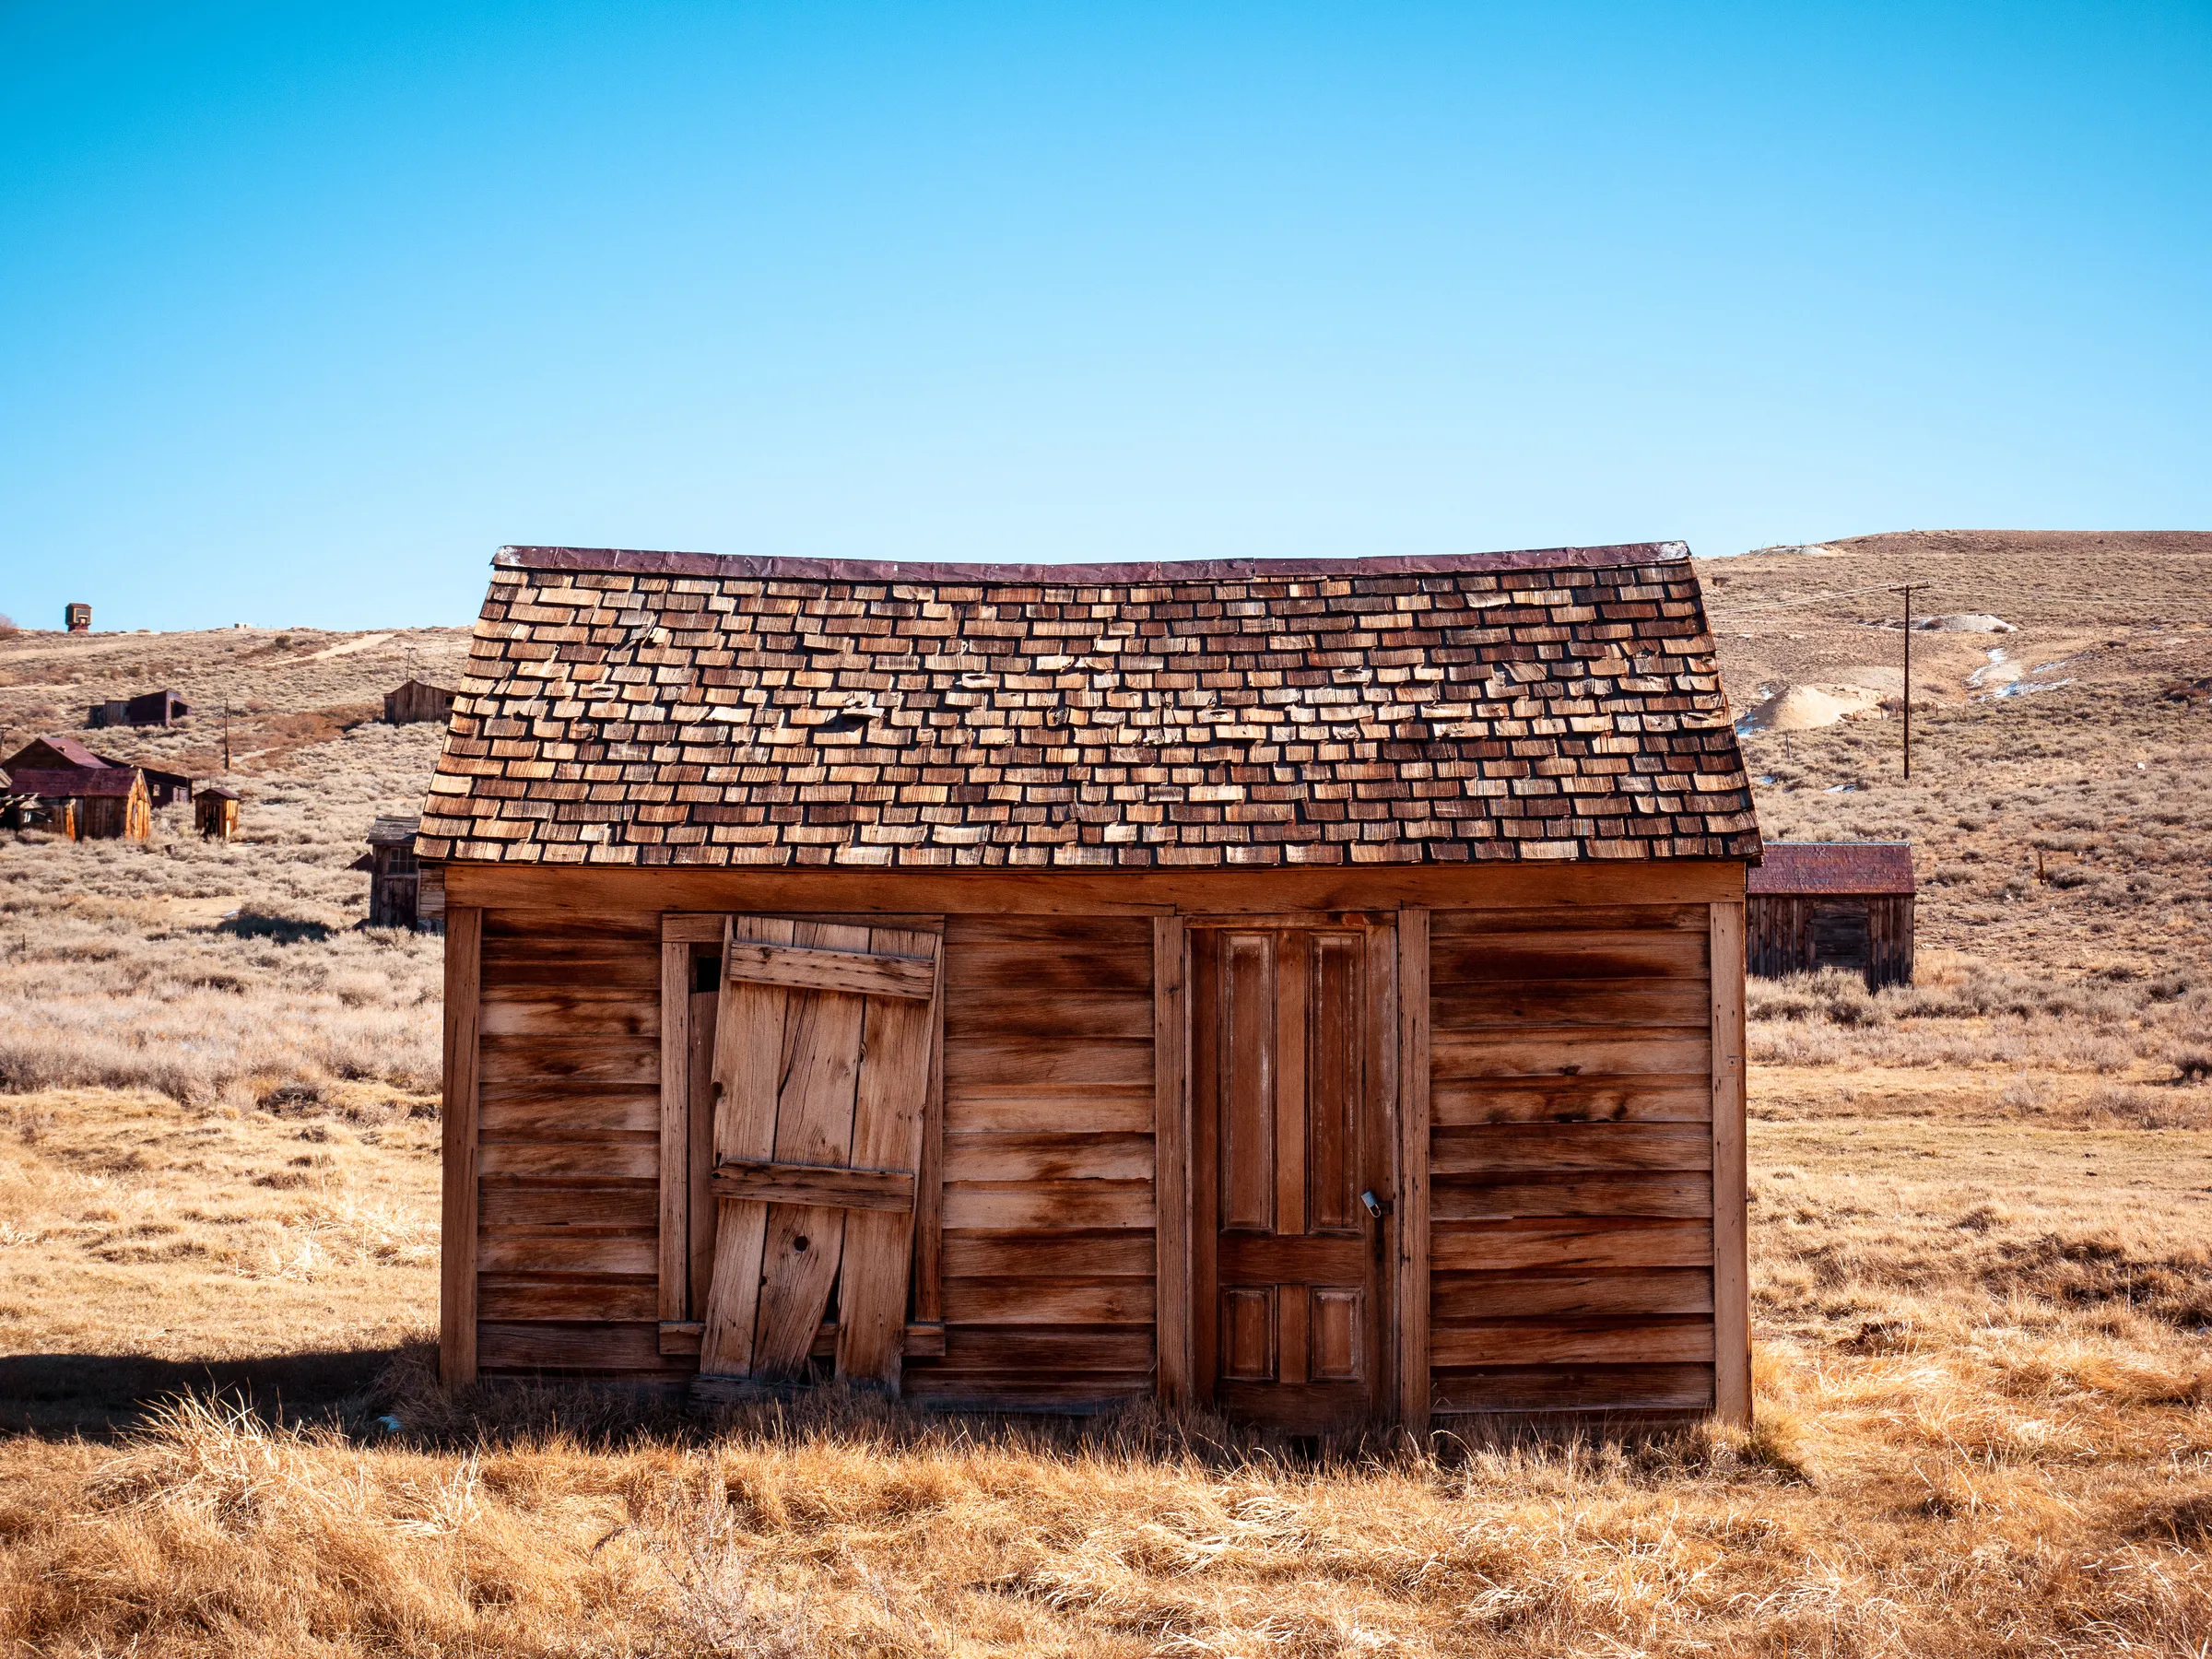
(1981, 1213)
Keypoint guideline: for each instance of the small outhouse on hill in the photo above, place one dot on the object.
(215, 813)
(1832, 904)
(1308, 988)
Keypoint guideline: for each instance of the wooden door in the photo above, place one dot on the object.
(820, 1078)
(1290, 1126)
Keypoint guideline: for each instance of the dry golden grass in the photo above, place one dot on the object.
(1982, 1289)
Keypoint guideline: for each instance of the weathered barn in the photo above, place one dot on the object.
(77, 618)
(152, 709)
(215, 813)
(394, 876)
(97, 803)
(1832, 904)
(1311, 987)
(162, 787)
(417, 700)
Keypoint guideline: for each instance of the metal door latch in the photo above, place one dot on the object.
(1377, 1207)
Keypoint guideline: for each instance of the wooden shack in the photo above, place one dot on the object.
(1832, 904)
(77, 617)
(414, 700)
(395, 878)
(98, 803)
(215, 813)
(1309, 988)
(151, 709)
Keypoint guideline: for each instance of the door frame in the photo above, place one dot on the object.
(1397, 1061)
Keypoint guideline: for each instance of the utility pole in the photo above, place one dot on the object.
(1909, 589)
(227, 733)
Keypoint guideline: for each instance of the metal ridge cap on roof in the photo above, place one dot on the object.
(639, 561)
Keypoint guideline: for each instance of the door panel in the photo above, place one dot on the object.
(1288, 1113)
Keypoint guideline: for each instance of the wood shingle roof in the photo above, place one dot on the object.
(637, 708)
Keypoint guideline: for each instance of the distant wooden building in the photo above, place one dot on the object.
(162, 787)
(96, 803)
(215, 813)
(415, 700)
(77, 618)
(152, 709)
(1832, 904)
(1312, 989)
(394, 877)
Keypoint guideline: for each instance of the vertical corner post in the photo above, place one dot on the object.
(457, 1238)
(1731, 1262)
(1410, 1302)
(674, 1253)
(1171, 1152)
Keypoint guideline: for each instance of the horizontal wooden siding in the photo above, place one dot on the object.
(567, 1145)
(1048, 1164)
(1571, 1159)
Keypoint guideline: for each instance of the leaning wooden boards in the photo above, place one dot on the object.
(820, 1082)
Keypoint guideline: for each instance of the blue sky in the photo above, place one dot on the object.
(304, 310)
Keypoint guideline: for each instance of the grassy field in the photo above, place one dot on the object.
(1981, 1256)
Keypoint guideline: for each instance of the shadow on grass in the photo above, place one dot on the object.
(284, 930)
(100, 1396)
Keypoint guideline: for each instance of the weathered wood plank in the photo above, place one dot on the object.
(749, 1041)
(1454, 927)
(1015, 1013)
(1047, 1350)
(523, 1295)
(1490, 1004)
(887, 1133)
(1053, 1301)
(1171, 1139)
(632, 927)
(1088, 1394)
(1037, 1061)
(1031, 1207)
(1576, 1388)
(1048, 1156)
(1579, 1243)
(1467, 958)
(595, 1344)
(1119, 1109)
(674, 1151)
(1075, 967)
(1731, 1291)
(631, 1061)
(822, 1188)
(819, 968)
(636, 1205)
(634, 1158)
(1567, 1340)
(994, 893)
(919, 1341)
(1683, 1097)
(1454, 1297)
(555, 1250)
(813, 1125)
(929, 1177)
(1460, 1198)
(696, 928)
(1070, 1254)
(1551, 1051)
(570, 1011)
(705, 1008)
(533, 1108)
(1409, 1302)
(1516, 1148)
(518, 964)
(459, 1340)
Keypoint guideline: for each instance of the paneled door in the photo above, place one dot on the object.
(1291, 1168)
